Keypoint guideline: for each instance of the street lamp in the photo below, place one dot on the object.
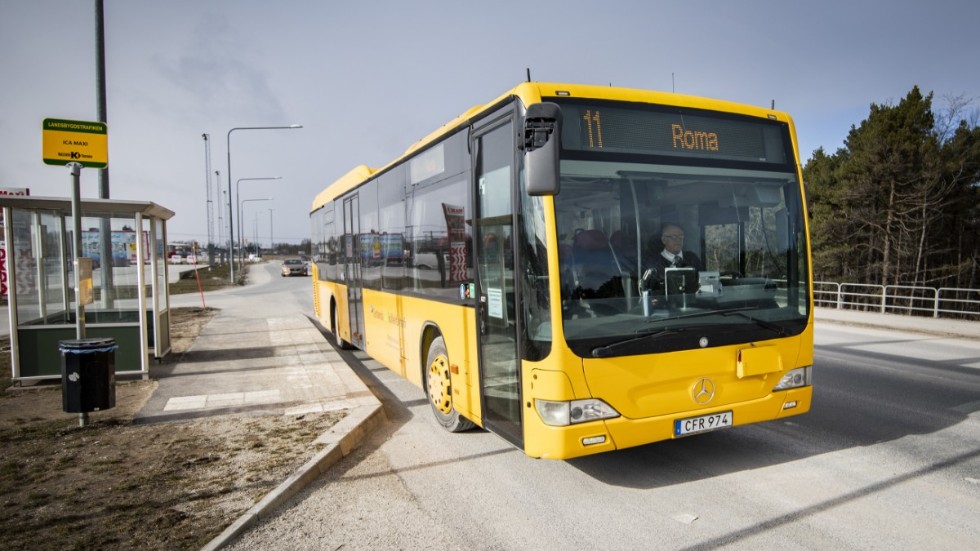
(241, 218)
(272, 243)
(231, 225)
(238, 193)
(210, 204)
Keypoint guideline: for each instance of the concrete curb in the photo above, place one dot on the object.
(342, 438)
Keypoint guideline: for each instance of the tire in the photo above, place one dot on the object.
(438, 388)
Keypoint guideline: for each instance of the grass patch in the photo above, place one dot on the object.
(211, 279)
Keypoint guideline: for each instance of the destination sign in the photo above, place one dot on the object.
(82, 142)
(662, 130)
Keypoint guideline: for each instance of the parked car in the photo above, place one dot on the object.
(294, 266)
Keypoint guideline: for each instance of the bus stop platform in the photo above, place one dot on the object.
(280, 365)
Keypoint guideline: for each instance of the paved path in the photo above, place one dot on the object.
(274, 365)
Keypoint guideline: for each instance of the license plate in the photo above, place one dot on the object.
(704, 423)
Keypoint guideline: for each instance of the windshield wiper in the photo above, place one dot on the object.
(641, 336)
(705, 313)
(735, 312)
(761, 323)
(609, 349)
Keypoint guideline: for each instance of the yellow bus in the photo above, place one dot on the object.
(518, 265)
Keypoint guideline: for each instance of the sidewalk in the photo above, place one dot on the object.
(914, 324)
(281, 365)
(254, 357)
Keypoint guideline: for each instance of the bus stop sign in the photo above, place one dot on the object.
(82, 142)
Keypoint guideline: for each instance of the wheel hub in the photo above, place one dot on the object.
(439, 385)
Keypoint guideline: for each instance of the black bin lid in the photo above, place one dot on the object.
(95, 344)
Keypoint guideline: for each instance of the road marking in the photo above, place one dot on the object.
(686, 518)
(229, 399)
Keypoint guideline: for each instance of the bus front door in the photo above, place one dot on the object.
(352, 262)
(499, 369)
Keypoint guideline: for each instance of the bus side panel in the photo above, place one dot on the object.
(393, 336)
(325, 292)
(458, 327)
(384, 329)
(460, 333)
(343, 314)
(318, 307)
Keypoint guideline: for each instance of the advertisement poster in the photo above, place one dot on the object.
(123, 247)
(456, 224)
(18, 191)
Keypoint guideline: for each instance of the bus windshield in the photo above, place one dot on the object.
(663, 252)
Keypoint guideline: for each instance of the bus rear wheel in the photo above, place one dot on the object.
(438, 387)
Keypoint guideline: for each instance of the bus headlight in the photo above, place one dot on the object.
(560, 414)
(795, 378)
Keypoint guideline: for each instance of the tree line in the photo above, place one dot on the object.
(899, 203)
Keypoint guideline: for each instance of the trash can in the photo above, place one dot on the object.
(88, 374)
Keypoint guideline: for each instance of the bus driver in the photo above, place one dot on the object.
(673, 254)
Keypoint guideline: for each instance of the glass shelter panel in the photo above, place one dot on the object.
(160, 247)
(160, 306)
(38, 270)
(110, 241)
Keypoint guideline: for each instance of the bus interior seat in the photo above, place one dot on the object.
(624, 245)
(597, 270)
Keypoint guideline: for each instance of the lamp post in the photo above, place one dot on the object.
(221, 220)
(272, 243)
(210, 204)
(241, 219)
(238, 193)
(218, 192)
(231, 225)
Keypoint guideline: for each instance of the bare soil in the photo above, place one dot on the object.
(116, 485)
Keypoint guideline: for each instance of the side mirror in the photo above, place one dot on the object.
(542, 142)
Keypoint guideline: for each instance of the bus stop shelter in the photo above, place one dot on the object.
(127, 242)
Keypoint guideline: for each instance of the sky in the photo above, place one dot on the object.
(368, 78)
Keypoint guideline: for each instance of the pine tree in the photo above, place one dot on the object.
(899, 203)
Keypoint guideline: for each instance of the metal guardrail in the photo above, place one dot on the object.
(899, 299)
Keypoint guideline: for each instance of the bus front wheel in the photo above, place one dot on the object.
(438, 386)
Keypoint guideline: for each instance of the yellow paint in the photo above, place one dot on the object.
(758, 361)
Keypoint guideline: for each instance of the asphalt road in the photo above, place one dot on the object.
(888, 458)
(267, 294)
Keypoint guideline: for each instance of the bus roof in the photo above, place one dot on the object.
(533, 92)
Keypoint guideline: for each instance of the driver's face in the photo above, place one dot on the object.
(673, 239)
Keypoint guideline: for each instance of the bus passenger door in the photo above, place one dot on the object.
(500, 381)
(352, 267)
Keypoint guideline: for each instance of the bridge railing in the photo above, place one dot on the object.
(899, 299)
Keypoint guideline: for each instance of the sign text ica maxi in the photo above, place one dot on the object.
(82, 142)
